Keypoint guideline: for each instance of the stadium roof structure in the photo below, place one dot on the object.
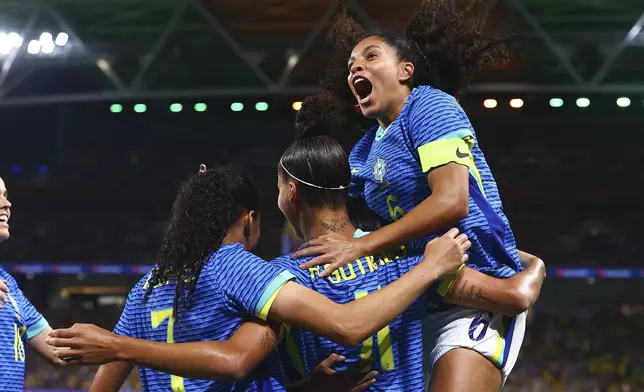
(142, 49)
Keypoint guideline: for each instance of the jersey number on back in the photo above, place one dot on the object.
(158, 317)
(385, 352)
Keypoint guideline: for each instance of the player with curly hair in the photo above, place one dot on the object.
(206, 284)
(422, 171)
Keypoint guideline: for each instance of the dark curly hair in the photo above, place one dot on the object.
(203, 211)
(445, 43)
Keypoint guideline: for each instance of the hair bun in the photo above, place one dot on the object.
(320, 115)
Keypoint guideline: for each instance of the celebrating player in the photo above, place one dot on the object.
(422, 171)
(206, 284)
(20, 322)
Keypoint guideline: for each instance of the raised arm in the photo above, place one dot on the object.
(231, 359)
(352, 323)
(511, 296)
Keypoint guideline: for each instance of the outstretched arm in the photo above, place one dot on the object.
(215, 360)
(511, 296)
(351, 323)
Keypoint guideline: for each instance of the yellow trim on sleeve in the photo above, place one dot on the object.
(263, 314)
(448, 281)
(444, 151)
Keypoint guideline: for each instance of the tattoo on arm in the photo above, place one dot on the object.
(463, 291)
(269, 340)
(335, 224)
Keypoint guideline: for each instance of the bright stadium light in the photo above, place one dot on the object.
(15, 39)
(236, 106)
(261, 106)
(490, 103)
(46, 37)
(48, 47)
(61, 39)
(5, 43)
(297, 105)
(200, 107)
(623, 102)
(556, 102)
(33, 47)
(116, 108)
(583, 102)
(516, 103)
(176, 107)
(140, 108)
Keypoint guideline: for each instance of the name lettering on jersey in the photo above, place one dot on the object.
(361, 266)
(379, 170)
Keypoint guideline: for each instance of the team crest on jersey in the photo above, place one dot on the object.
(379, 170)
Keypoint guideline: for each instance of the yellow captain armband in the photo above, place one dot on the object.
(444, 151)
(448, 281)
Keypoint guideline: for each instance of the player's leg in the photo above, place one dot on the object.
(465, 370)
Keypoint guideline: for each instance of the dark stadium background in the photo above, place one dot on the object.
(92, 180)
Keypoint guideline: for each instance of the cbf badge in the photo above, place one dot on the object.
(379, 170)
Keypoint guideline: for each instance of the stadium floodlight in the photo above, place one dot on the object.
(33, 47)
(48, 47)
(490, 103)
(5, 43)
(261, 106)
(583, 102)
(176, 107)
(200, 107)
(61, 39)
(15, 39)
(236, 106)
(623, 102)
(297, 105)
(556, 102)
(140, 108)
(46, 37)
(116, 108)
(516, 103)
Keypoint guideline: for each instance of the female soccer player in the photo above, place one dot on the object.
(20, 322)
(316, 209)
(422, 171)
(206, 284)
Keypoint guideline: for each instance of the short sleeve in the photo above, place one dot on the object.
(34, 321)
(439, 129)
(249, 283)
(123, 326)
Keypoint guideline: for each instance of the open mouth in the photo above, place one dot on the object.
(4, 219)
(363, 88)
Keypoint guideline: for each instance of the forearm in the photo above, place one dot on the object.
(434, 214)
(351, 323)
(38, 344)
(110, 377)
(215, 360)
(510, 296)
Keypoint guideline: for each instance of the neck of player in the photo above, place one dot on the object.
(323, 221)
(394, 108)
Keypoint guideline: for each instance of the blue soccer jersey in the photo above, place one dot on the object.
(389, 170)
(19, 322)
(233, 286)
(396, 351)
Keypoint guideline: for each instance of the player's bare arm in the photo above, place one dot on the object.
(232, 359)
(511, 296)
(110, 377)
(352, 323)
(446, 206)
(38, 344)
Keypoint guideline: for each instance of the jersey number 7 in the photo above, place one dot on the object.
(158, 317)
(386, 355)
